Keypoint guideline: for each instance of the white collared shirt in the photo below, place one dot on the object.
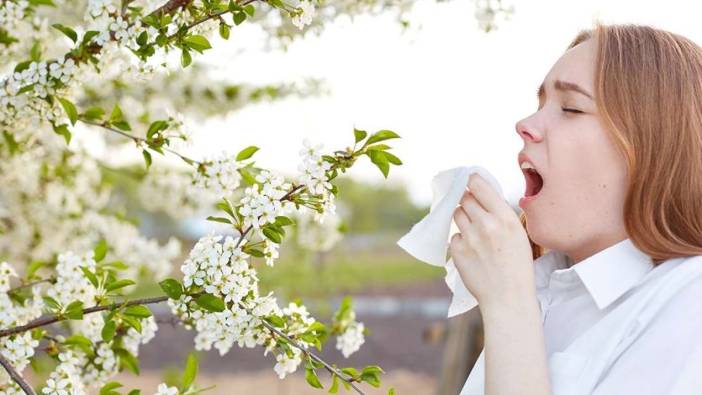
(616, 324)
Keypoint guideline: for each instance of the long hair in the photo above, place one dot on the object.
(648, 91)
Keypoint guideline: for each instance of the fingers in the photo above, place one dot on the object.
(476, 213)
(485, 194)
(461, 219)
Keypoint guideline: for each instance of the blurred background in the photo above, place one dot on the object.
(452, 78)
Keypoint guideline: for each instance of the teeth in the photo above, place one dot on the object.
(527, 165)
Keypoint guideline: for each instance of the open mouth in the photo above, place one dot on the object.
(534, 182)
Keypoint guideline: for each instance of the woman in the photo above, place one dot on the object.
(614, 197)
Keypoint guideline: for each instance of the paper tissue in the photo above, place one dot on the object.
(428, 240)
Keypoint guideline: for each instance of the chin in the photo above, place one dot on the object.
(542, 234)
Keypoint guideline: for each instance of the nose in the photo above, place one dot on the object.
(527, 131)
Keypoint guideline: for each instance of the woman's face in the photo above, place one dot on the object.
(579, 209)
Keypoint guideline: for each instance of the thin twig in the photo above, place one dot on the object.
(33, 283)
(215, 15)
(16, 376)
(247, 230)
(140, 140)
(330, 368)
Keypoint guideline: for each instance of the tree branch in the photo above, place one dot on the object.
(16, 376)
(43, 321)
(170, 7)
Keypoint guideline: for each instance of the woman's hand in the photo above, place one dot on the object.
(492, 252)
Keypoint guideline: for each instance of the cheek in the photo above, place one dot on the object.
(589, 173)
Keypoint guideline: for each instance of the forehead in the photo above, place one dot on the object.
(576, 65)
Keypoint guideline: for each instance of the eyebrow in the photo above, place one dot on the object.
(564, 86)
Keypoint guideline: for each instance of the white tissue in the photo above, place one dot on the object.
(428, 240)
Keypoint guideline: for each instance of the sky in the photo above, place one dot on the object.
(452, 91)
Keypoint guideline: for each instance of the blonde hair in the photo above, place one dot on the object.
(648, 90)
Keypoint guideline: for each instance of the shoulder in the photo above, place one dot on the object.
(677, 290)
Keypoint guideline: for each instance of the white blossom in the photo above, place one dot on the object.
(220, 176)
(163, 389)
(287, 364)
(304, 14)
(351, 339)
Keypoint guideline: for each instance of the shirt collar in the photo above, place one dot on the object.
(606, 275)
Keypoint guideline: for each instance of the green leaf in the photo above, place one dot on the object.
(197, 42)
(239, 17)
(379, 147)
(233, 6)
(62, 130)
(118, 284)
(42, 2)
(74, 310)
(219, 219)
(108, 331)
(6, 39)
(276, 321)
(22, 66)
(392, 158)
(210, 302)
(172, 288)
(350, 371)
(34, 266)
(10, 141)
(248, 178)
(108, 388)
(185, 58)
(226, 207)
(272, 235)
(89, 36)
(335, 384)
(133, 322)
(139, 311)
(359, 134)
(128, 360)
(283, 220)
(147, 158)
(380, 161)
(70, 33)
(224, 31)
(116, 265)
(246, 153)
(70, 109)
(312, 379)
(78, 340)
(254, 252)
(249, 9)
(94, 113)
(382, 135)
(156, 127)
(52, 303)
(371, 375)
(122, 125)
(142, 38)
(190, 370)
(90, 276)
(116, 114)
(100, 250)
(35, 52)
(134, 392)
(391, 391)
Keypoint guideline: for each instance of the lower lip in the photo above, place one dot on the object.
(527, 199)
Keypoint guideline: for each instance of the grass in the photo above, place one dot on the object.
(344, 274)
(297, 276)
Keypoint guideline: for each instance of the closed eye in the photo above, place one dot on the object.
(571, 110)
